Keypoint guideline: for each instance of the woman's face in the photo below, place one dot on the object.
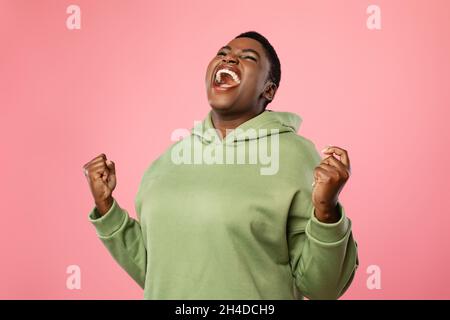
(243, 77)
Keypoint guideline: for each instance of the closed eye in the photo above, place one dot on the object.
(249, 57)
(222, 53)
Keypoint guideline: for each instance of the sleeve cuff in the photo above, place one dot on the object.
(110, 222)
(328, 232)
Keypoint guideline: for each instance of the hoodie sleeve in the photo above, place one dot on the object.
(122, 236)
(323, 256)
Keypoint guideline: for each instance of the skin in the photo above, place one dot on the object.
(230, 109)
(330, 177)
(101, 176)
(234, 107)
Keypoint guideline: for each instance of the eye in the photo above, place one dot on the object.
(249, 57)
(221, 53)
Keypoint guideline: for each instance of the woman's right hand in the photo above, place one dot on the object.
(101, 176)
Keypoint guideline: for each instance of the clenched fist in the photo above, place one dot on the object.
(101, 176)
(330, 177)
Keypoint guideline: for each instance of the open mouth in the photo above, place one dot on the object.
(226, 78)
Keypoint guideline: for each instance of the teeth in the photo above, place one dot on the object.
(231, 73)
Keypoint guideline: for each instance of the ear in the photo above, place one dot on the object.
(269, 90)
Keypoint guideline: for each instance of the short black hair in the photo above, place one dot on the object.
(275, 67)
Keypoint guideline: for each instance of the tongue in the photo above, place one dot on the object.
(226, 78)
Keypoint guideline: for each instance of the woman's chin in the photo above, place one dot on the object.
(221, 104)
(221, 99)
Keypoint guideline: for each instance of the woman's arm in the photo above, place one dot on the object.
(323, 256)
(123, 238)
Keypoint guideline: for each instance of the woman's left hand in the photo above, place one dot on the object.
(330, 177)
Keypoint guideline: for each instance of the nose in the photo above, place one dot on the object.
(229, 58)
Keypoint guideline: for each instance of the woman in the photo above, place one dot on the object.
(228, 229)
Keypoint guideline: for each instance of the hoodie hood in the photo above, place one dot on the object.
(265, 124)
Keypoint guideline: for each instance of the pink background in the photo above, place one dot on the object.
(135, 72)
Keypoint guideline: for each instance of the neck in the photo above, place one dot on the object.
(224, 121)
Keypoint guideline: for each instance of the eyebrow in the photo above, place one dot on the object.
(243, 50)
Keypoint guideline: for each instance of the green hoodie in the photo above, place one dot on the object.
(211, 228)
